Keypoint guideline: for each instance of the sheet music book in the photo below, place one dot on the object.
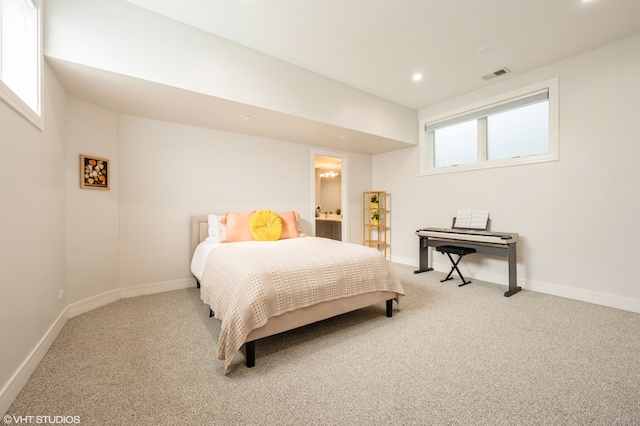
(472, 219)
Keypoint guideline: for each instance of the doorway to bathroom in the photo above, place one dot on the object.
(330, 195)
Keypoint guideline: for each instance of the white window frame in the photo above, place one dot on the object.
(12, 99)
(427, 144)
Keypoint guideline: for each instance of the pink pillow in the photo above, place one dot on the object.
(238, 226)
(289, 224)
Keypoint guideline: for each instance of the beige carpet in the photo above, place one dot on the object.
(449, 356)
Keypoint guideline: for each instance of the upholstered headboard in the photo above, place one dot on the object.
(199, 231)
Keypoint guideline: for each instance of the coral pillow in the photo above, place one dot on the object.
(290, 225)
(266, 225)
(238, 226)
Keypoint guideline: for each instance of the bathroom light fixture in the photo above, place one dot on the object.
(328, 174)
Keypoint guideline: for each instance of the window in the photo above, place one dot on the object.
(518, 132)
(20, 56)
(515, 128)
(456, 144)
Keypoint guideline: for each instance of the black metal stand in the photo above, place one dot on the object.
(508, 251)
(424, 257)
(461, 252)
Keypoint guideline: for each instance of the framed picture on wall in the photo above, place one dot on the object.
(94, 172)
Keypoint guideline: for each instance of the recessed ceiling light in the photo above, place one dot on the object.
(417, 77)
(341, 137)
(245, 117)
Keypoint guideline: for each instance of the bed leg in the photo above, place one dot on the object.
(211, 313)
(390, 308)
(250, 353)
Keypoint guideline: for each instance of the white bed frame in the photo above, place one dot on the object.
(299, 317)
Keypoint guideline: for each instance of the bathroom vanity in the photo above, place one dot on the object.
(328, 227)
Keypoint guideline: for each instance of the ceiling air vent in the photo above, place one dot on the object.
(498, 73)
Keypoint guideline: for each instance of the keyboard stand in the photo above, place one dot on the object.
(461, 252)
(503, 248)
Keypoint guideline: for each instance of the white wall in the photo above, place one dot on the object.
(170, 172)
(92, 215)
(32, 237)
(576, 216)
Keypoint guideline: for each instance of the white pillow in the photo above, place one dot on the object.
(217, 231)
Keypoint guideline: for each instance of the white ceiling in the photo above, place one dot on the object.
(373, 45)
(377, 45)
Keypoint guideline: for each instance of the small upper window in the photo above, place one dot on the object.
(20, 55)
(456, 144)
(519, 127)
(518, 132)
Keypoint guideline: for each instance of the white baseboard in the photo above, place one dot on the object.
(93, 302)
(143, 289)
(20, 378)
(103, 299)
(405, 260)
(589, 296)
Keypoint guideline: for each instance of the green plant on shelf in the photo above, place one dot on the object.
(375, 217)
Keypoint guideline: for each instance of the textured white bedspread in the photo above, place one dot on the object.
(246, 283)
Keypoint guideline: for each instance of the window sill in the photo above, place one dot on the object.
(20, 106)
(490, 164)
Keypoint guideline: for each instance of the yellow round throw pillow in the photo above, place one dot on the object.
(266, 225)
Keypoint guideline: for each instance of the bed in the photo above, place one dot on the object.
(261, 288)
